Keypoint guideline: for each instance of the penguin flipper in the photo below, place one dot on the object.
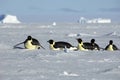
(96, 46)
(16, 46)
(35, 42)
(115, 47)
(106, 47)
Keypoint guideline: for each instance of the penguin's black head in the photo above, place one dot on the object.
(92, 40)
(79, 40)
(111, 42)
(51, 41)
(29, 38)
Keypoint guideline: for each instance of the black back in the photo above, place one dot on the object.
(35, 42)
(90, 46)
(61, 44)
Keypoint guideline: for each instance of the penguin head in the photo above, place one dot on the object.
(111, 42)
(29, 38)
(92, 41)
(51, 41)
(79, 40)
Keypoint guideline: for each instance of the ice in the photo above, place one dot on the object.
(8, 19)
(23, 64)
(65, 73)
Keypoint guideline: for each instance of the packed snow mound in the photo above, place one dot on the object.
(8, 19)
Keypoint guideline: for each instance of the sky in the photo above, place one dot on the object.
(60, 10)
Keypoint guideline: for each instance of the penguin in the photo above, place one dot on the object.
(30, 43)
(95, 45)
(60, 45)
(111, 46)
(92, 45)
(81, 45)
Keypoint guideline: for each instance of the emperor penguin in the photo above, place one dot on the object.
(81, 45)
(111, 46)
(60, 45)
(95, 45)
(91, 45)
(31, 43)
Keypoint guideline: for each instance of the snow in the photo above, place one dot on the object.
(22, 64)
(8, 19)
(95, 20)
(54, 24)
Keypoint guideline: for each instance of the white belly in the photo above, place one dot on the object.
(110, 48)
(52, 48)
(28, 45)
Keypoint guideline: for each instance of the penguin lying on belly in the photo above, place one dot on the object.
(111, 46)
(87, 45)
(92, 45)
(30, 43)
(60, 45)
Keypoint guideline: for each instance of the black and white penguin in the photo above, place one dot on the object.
(31, 43)
(111, 46)
(81, 45)
(92, 45)
(60, 45)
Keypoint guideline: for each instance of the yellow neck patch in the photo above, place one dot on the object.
(80, 47)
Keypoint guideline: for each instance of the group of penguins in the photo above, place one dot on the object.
(32, 43)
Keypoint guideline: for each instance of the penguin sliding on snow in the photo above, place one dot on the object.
(92, 45)
(60, 45)
(87, 45)
(111, 46)
(30, 43)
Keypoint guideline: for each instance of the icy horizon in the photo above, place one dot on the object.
(8, 18)
(61, 18)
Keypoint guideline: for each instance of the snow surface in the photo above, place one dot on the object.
(22, 64)
(8, 19)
